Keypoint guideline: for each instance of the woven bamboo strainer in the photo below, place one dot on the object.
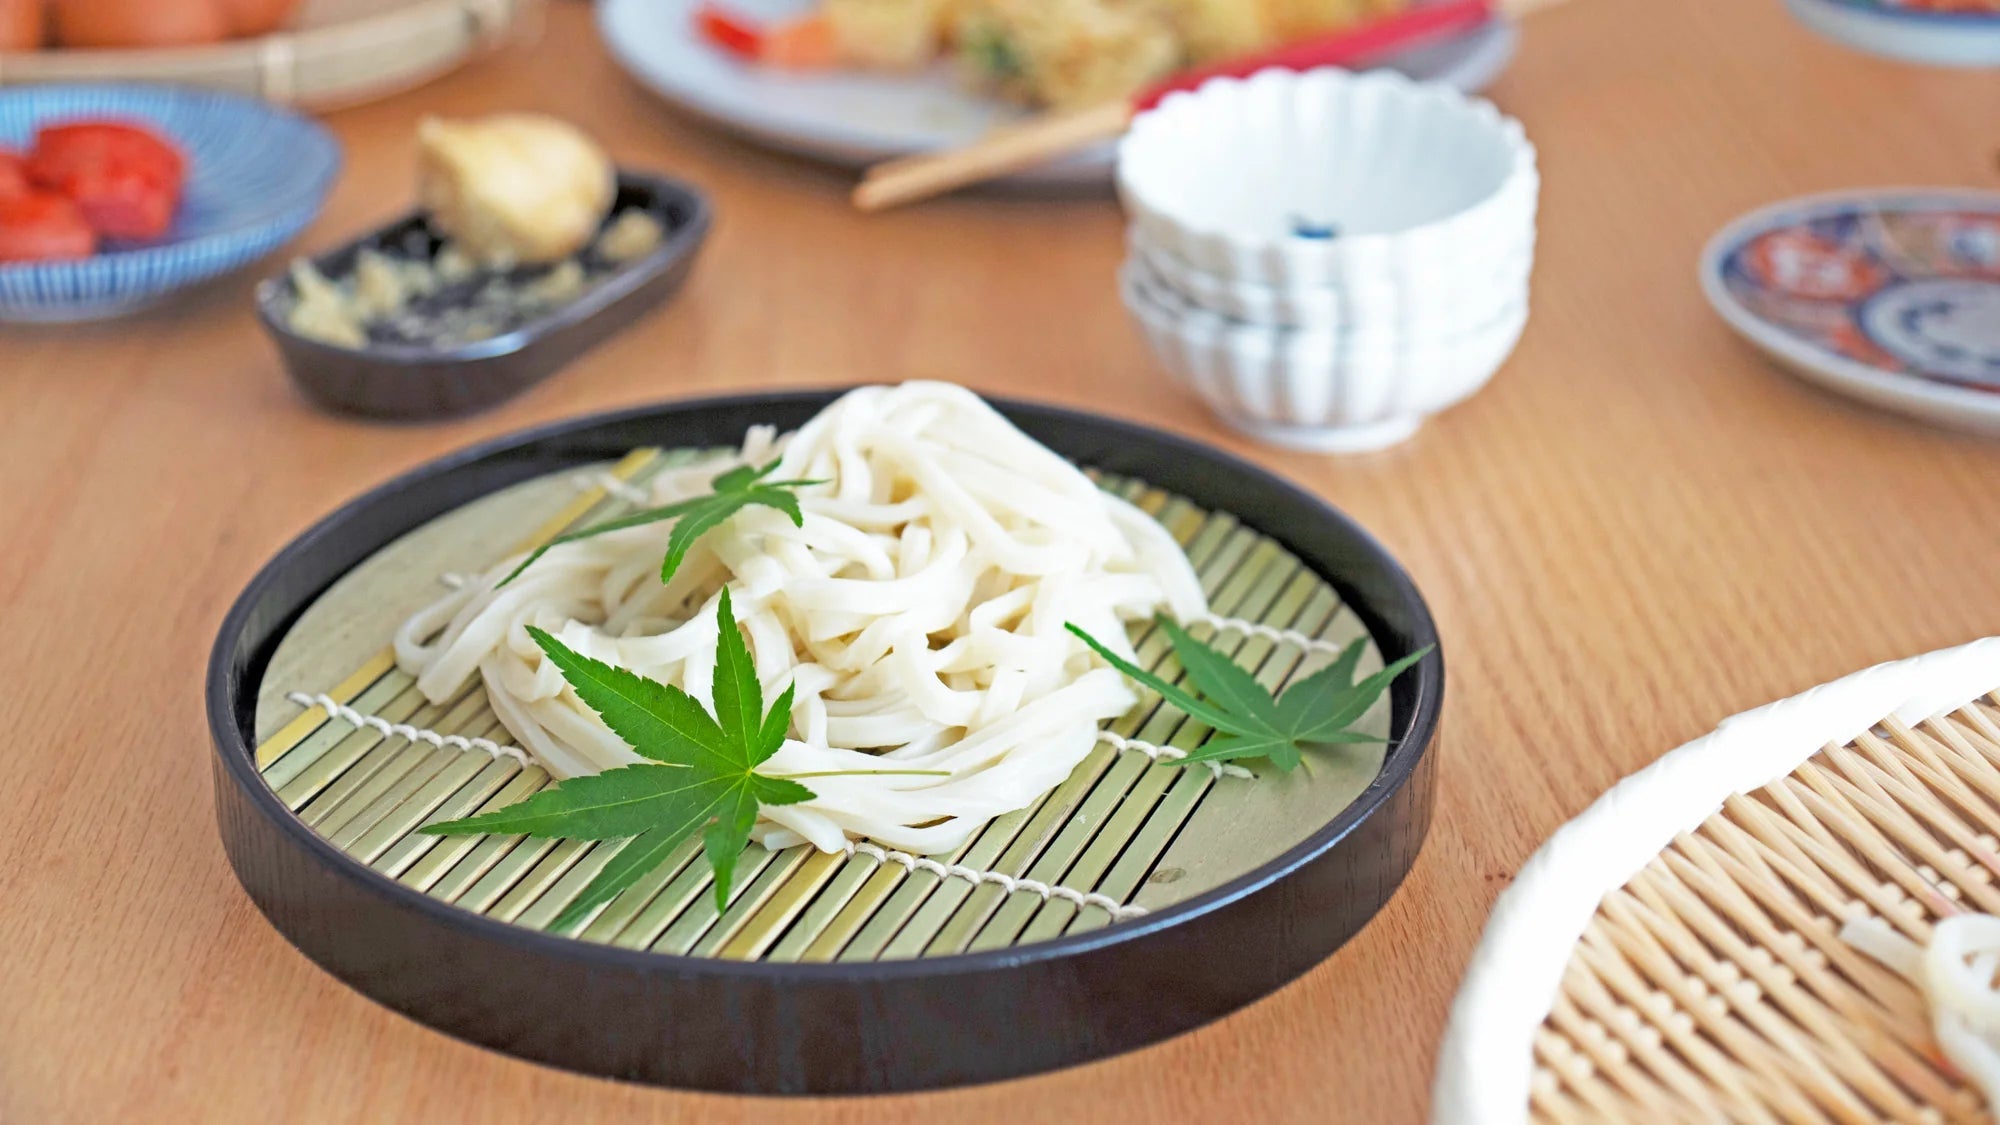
(1674, 954)
(336, 52)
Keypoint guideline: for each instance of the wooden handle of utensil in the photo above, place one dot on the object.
(1517, 9)
(1007, 149)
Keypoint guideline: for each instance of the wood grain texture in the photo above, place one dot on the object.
(1638, 529)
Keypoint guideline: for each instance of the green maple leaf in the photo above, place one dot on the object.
(1248, 721)
(735, 490)
(700, 774)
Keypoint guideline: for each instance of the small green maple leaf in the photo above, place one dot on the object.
(1248, 721)
(700, 774)
(735, 490)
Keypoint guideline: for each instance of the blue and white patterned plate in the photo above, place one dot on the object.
(1934, 32)
(256, 176)
(1890, 296)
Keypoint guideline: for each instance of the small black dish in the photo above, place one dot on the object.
(839, 1027)
(416, 382)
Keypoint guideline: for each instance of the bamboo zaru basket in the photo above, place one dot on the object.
(334, 52)
(1677, 953)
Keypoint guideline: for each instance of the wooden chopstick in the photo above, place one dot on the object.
(1039, 140)
(1010, 148)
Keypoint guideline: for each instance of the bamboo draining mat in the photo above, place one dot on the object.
(1120, 825)
(1714, 985)
(334, 52)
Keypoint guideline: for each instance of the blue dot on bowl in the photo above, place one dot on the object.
(1317, 230)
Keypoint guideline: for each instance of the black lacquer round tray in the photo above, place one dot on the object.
(836, 1026)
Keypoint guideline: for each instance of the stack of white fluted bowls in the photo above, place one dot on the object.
(1329, 258)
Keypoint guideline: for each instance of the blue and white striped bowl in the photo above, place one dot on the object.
(256, 176)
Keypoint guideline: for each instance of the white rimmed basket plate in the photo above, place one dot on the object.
(1906, 31)
(1889, 296)
(1709, 889)
(853, 120)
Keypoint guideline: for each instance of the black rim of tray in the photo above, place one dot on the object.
(834, 1027)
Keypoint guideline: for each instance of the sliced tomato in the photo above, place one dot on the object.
(63, 151)
(126, 204)
(126, 180)
(13, 174)
(108, 141)
(40, 226)
(733, 33)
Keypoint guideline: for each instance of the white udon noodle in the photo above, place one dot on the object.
(919, 615)
(1955, 972)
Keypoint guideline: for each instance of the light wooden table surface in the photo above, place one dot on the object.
(1637, 530)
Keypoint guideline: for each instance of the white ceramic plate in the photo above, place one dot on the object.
(858, 119)
(1899, 29)
(1889, 296)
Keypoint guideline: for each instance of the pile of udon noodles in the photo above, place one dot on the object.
(919, 615)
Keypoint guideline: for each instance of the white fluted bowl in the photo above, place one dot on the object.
(1327, 392)
(1453, 301)
(1415, 179)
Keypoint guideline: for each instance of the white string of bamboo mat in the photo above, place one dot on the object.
(387, 729)
(1166, 753)
(1270, 633)
(908, 862)
(616, 487)
(1009, 883)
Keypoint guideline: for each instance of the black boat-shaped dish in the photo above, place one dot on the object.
(396, 379)
(826, 973)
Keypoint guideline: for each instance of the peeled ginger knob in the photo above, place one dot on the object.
(513, 188)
